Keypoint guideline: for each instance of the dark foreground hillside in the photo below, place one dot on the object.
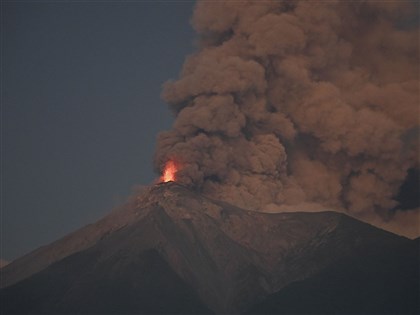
(175, 251)
(84, 284)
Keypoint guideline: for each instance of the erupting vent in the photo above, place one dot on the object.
(169, 172)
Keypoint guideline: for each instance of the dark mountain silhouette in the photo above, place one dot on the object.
(82, 283)
(175, 251)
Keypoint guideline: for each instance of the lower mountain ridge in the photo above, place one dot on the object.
(174, 251)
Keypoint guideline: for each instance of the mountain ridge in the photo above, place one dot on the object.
(232, 259)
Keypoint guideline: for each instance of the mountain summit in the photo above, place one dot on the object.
(172, 250)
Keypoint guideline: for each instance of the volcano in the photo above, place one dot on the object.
(173, 250)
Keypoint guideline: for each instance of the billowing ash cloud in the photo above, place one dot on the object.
(298, 105)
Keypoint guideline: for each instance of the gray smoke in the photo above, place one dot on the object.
(299, 105)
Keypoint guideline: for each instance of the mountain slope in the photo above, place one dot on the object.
(81, 239)
(368, 282)
(83, 283)
(229, 259)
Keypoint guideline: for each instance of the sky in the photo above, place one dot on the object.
(81, 108)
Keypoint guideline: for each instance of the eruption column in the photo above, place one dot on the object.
(299, 105)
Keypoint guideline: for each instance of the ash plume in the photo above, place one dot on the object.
(298, 105)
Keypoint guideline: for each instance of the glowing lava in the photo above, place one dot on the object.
(169, 172)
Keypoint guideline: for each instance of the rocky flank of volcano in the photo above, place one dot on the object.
(173, 250)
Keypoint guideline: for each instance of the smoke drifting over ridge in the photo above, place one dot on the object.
(298, 105)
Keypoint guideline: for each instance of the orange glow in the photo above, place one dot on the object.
(169, 172)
